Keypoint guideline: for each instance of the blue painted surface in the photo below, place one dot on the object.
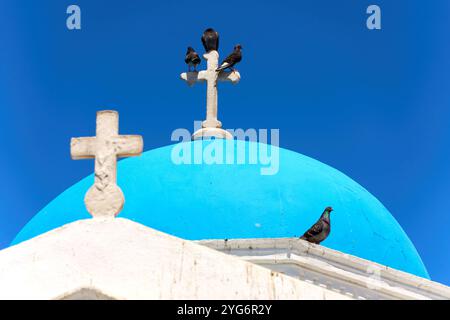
(201, 201)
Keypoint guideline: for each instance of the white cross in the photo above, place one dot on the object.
(211, 127)
(104, 198)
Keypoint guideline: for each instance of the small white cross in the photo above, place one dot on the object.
(104, 198)
(211, 127)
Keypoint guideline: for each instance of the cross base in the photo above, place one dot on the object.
(217, 133)
(211, 123)
(104, 201)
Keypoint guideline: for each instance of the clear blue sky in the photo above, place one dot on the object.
(373, 104)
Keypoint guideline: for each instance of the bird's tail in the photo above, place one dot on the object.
(222, 67)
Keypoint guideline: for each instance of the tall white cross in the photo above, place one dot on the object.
(104, 198)
(211, 127)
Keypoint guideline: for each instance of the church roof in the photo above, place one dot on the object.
(218, 201)
(90, 259)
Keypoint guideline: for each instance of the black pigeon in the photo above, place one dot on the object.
(232, 59)
(210, 40)
(320, 230)
(192, 58)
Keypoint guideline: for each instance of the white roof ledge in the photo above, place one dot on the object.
(120, 259)
(300, 259)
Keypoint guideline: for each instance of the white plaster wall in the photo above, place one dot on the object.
(121, 259)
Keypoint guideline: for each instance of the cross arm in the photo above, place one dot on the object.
(128, 145)
(231, 76)
(200, 76)
(192, 77)
(124, 146)
(82, 148)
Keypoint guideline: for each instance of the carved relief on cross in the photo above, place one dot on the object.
(105, 198)
(211, 127)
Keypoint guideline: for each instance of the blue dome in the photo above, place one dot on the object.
(218, 201)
